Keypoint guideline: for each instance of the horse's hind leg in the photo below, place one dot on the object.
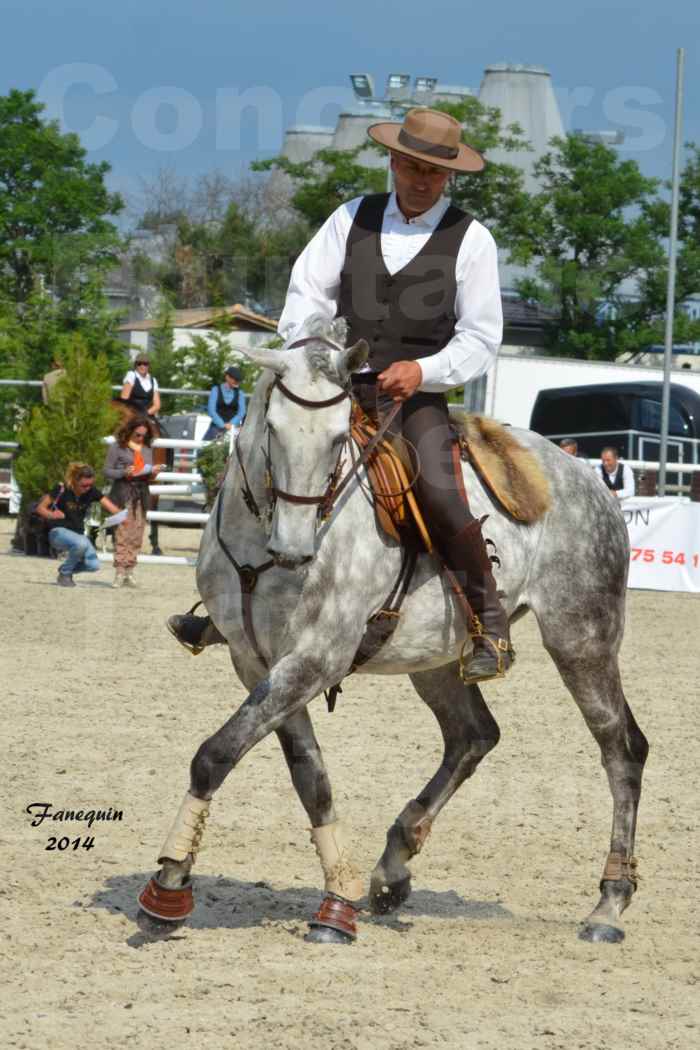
(469, 732)
(594, 682)
(334, 923)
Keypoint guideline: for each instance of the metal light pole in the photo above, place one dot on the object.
(671, 290)
(397, 100)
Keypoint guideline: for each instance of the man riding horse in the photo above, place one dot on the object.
(417, 278)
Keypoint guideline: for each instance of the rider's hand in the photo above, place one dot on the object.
(57, 515)
(401, 380)
(128, 471)
(157, 468)
(227, 426)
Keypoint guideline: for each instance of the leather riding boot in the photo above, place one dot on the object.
(467, 557)
(195, 633)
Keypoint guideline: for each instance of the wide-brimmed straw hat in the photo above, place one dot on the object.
(431, 136)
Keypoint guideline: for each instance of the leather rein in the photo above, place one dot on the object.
(248, 574)
(337, 482)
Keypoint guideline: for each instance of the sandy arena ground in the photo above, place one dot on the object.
(101, 708)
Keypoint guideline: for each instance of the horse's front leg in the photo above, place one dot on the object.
(334, 922)
(290, 685)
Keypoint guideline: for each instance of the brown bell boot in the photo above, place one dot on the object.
(466, 555)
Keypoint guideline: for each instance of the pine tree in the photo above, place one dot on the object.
(71, 427)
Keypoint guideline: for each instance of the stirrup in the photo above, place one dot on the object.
(191, 647)
(501, 648)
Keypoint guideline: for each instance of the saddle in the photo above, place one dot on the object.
(508, 470)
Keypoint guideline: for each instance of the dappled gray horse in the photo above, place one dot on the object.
(292, 594)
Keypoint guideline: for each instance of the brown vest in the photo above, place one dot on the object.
(409, 314)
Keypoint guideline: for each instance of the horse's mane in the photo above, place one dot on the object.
(317, 356)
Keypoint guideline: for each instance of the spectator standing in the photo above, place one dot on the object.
(141, 388)
(51, 378)
(569, 445)
(66, 506)
(617, 476)
(129, 465)
(227, 404)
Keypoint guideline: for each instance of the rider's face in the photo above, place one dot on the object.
(418, 185)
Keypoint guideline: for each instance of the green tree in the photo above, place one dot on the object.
(326, 181)
(596, 240)
(496, 196)
(54, 207)
(71, 426)
(35, 333)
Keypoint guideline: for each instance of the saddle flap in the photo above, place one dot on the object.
(394, 503)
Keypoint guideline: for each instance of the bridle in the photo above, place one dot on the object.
(248, 575)
(325, 501)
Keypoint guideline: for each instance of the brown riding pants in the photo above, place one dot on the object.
(129, 538)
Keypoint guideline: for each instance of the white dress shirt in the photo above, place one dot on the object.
(146, 381)
(627, 479)
(315, 283)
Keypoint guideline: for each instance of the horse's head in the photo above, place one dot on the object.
(306, 425)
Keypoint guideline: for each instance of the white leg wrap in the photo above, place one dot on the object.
(186, 833)
(341, 875)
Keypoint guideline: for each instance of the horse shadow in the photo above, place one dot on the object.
(232, 904)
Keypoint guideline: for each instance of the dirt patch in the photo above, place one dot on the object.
(102, 709)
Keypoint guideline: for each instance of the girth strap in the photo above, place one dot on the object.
(248, 578)
(382, 625)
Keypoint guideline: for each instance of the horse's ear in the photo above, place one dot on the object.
(352, 359)
(276, 360)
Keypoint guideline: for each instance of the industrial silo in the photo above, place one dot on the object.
(301, 141)
(525, 96)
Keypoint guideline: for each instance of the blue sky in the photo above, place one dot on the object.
(155, 85)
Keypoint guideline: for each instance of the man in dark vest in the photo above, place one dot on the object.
(418, 279)
(616, 476)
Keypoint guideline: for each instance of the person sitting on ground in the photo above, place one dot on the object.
(67, 505)
(617, 476)
(141, 388)
(227, 404)
(129, 465)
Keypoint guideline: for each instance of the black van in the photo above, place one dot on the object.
(624, 415)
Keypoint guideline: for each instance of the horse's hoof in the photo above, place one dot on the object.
(596, 932)
(334, 922)
(327, 935)
(167, 905)
(156, 929)
(389, 896)
(157, 551)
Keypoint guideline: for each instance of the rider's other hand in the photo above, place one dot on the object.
(401, 380)
(227, 426)
(157, 469)
(128, 472)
